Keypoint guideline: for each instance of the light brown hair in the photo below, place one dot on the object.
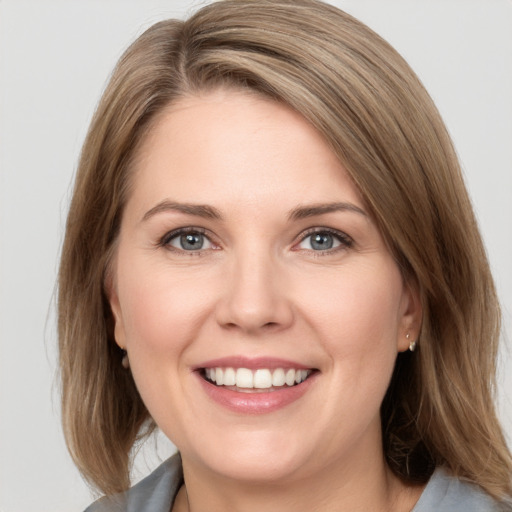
(381, 123)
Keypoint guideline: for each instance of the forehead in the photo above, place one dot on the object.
(231, 144)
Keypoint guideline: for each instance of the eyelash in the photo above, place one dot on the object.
(345, 241)
(165, 241)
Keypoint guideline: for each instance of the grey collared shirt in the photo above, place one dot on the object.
(156, 493)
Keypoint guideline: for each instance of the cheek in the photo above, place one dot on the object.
(358, 315)
(164, 311)
(160, 310)
(162, 314)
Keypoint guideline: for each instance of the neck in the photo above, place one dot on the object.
(338, 487)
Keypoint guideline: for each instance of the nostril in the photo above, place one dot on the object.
(265, 326)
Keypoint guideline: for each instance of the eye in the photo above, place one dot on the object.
(324, 240)
(189, 240)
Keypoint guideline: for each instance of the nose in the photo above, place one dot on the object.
(255, 296)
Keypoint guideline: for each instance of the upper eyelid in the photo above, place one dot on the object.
(173, 233)
(336, 232)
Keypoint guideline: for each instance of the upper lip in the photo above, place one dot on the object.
(251, 363)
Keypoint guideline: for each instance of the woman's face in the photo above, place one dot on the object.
(247, 261)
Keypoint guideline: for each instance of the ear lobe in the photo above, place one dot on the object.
(412, 314)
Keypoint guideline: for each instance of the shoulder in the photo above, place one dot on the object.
(155, 493)
(446, 493)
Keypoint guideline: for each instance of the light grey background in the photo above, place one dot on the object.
(55, 57)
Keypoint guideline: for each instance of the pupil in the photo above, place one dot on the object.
(191, 241)
(322, 241)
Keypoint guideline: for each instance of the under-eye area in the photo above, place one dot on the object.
(261, 379)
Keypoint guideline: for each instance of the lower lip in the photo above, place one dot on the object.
(258, 402)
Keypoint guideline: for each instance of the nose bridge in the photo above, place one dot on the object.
(255, 293)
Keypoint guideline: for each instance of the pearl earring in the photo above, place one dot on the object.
(412, 343)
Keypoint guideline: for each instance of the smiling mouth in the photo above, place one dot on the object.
(259, 380)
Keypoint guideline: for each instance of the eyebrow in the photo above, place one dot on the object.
(303, 212)
(199, 210)
(209, 212)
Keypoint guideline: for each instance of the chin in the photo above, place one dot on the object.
(256, 458)
(259, 470)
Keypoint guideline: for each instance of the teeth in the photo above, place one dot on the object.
(244, 378)
(262, 378)
(229, 377)
(278, 378)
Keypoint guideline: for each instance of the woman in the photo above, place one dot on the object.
(271, 255)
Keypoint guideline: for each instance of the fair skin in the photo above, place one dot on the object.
(280, 269)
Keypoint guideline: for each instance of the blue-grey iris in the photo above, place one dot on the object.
(192, 241)
(322, 241)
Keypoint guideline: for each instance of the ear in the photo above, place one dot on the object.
(411, 315)
(115, 308)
